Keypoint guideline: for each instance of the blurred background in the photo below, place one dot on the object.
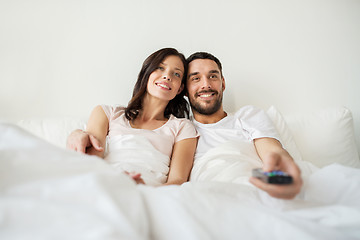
(62, 58)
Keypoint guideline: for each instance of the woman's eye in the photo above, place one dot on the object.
(177, 74)
(195, 78)
(160, 68)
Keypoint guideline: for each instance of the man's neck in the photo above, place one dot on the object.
(208, 119)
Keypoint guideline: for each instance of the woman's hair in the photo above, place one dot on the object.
(177, 106)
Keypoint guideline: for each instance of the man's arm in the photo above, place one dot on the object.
(275, 157)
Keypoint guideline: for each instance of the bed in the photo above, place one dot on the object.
(48, 192)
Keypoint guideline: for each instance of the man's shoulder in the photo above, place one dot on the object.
(245, 110)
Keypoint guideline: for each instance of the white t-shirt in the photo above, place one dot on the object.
(247, 124)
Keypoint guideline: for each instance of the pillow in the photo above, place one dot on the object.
(53, 130)
(285, 134)
(325, 137)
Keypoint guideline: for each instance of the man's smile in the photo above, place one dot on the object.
(206, 95)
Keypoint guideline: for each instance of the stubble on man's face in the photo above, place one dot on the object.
(206, 107)
(205, 86)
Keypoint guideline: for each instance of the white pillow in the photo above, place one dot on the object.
(286, 137)
(53, 130)
(325, 137)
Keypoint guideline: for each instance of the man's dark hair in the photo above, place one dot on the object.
(204, 55)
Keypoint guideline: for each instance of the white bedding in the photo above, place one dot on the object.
(233, 162)
(124, 154)
(50, 193)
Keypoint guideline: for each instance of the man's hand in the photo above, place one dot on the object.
(280, 161)
(79, 140)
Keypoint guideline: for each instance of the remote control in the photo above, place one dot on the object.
(275, 177)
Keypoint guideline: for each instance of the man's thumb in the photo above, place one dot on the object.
(269, 164)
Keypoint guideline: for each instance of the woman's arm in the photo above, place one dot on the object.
(98, 127)
(182, 160)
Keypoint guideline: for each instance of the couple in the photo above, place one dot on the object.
(155, 118)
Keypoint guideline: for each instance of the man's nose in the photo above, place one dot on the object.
(205, 83)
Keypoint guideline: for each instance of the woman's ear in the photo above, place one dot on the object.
(180, 89)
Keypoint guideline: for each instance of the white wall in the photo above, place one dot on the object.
(61, 58)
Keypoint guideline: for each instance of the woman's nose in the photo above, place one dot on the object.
(167, 77)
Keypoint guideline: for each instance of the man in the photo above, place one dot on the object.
(205, 87)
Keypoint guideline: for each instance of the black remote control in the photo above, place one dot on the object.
(275, 177)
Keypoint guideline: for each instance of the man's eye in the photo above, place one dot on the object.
(213, 76)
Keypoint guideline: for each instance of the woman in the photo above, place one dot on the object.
(150, 136)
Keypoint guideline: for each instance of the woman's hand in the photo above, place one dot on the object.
(92, 141)
(79, 140)
(136, 177)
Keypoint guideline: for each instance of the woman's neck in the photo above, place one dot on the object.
(152, 109)
(151, 116)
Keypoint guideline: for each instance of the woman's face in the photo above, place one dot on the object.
(165, 81)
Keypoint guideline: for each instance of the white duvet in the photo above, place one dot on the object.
(135, 153)
(51, 193)
(233, 162)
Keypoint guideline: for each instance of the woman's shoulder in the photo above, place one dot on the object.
(183, 128)
(180, 122)
(116, 108)
(113, 111)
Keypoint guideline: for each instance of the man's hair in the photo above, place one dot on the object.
(204, 55)
(177, 106)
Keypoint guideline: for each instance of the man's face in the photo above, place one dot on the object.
(205, 86)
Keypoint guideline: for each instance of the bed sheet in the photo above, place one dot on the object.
(50, 193)
(218, 210)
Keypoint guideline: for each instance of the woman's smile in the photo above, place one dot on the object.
(163, 85)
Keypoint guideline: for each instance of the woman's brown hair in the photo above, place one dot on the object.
(177, 106)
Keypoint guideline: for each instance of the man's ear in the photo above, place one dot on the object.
(180, 89)
(223, 83)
